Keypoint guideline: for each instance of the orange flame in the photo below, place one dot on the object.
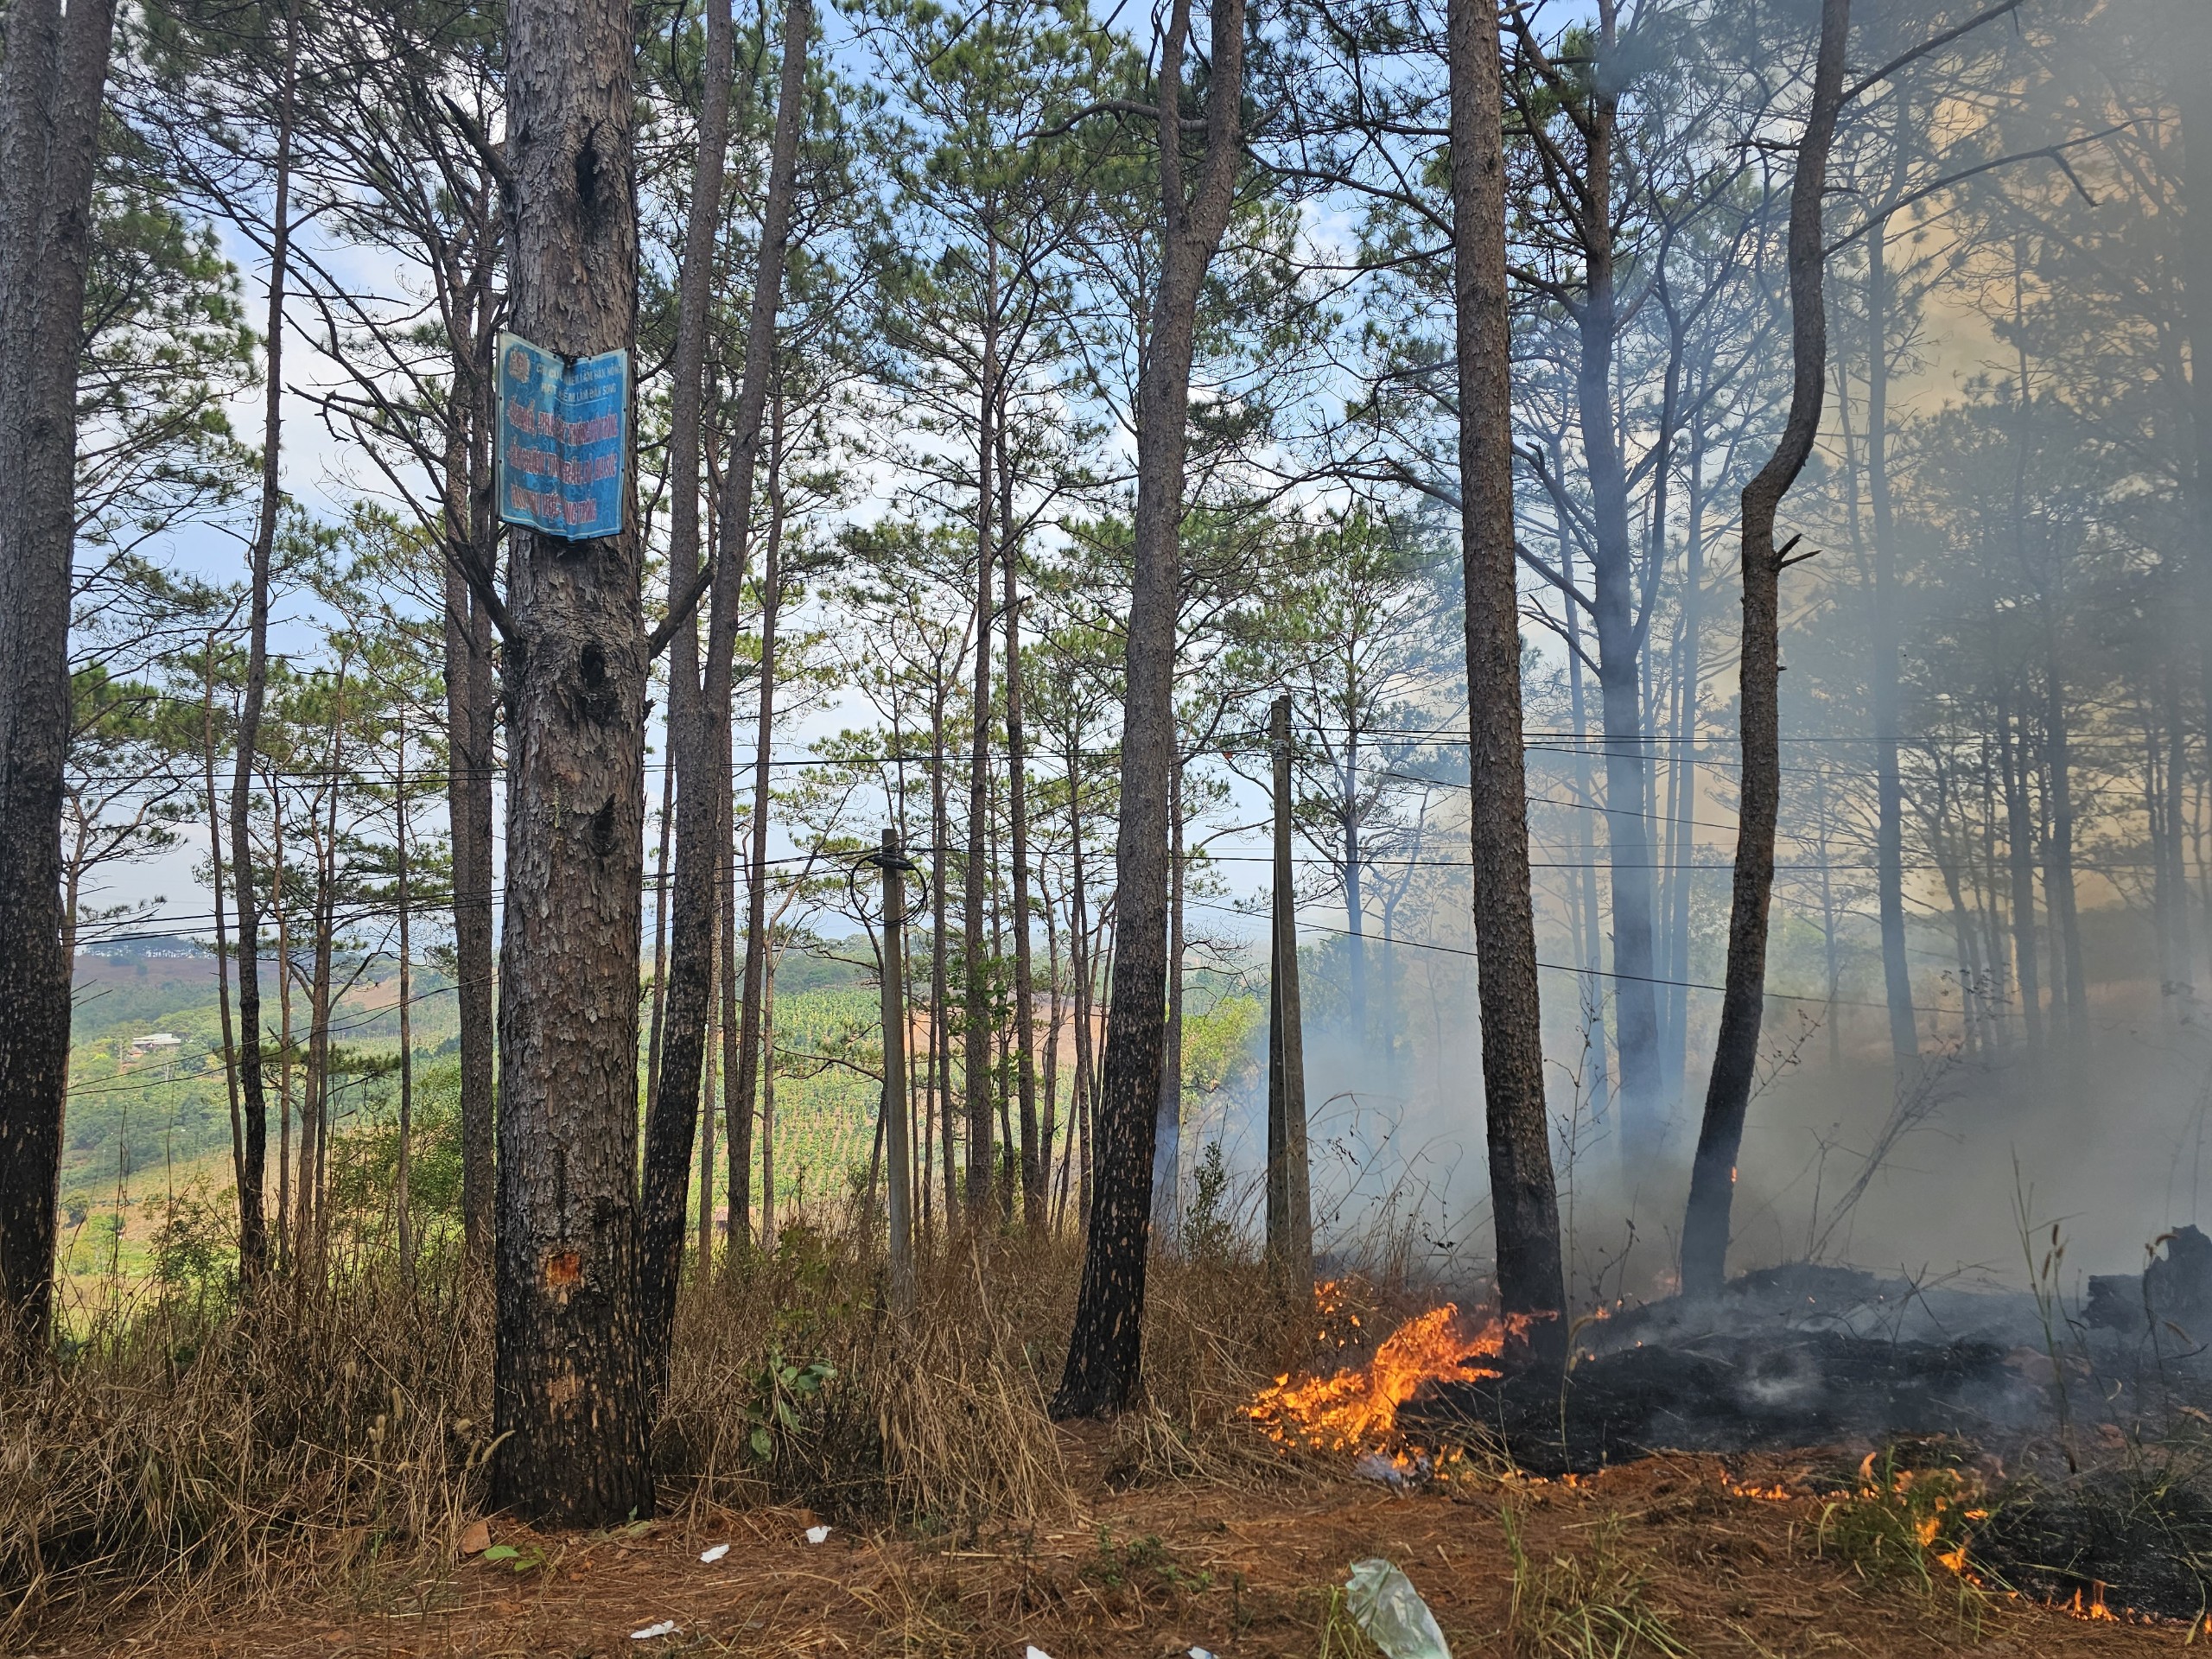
(1359, 1406)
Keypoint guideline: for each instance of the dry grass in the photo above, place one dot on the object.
(186, 1451)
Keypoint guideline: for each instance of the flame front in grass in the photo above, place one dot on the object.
(1359, 1406)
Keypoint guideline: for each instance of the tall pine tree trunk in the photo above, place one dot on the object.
(570, 1384)
(1167, 1133)
(468, 803)
(253, 1247)
(681, 1004)
(974, 1011)
(1620, 642)
(1889, 787)
(747, 421)
(50, 94)
(1035, 1152)
(1523, 1200)
(1728, 1093)
(745, 1077)
(1106, 1345)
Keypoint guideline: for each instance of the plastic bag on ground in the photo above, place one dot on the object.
(1385, 1605)
(665, 1627)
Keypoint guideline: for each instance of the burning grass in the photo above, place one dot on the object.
(326, 1450)
(1356, 1409)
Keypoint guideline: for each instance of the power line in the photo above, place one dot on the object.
(1563, 968)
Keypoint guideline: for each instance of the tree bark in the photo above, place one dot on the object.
(1034, 1153)
(1289, 1173)
(253, 1229)
(975, 1016)
(1620, 643)
(736, 537)
(940, 967)
(570, 1385)
(400, 1197)
(1728, 1094)
(744, 1080)
(50, 98)
(1523, 1200)
(1674, 1048)
(681, 1007)
(468, 805)
(1105, 1347)
(1167, 1133)
(2019, 847)
(222, 928)
(1888, 788)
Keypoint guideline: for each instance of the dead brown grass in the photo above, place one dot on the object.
(1661, 1557)
(188, 1454)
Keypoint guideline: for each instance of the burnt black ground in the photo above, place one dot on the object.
(2141, 1541)
(1807, 1357)
(1755, 1391)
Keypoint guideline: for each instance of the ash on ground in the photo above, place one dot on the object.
(1799, 1355)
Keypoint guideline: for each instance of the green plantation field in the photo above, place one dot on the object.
(148, 1135)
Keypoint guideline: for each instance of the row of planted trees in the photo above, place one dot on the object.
(995, 379)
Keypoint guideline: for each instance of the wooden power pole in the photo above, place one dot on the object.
(1290, 1204)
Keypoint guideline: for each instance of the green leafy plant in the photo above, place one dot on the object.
(518, 1561)
(1208, 1232)
(778, 1389)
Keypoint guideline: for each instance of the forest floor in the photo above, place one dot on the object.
(1672, 1556)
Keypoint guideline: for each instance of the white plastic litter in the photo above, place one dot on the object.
(666, 1627)
(1373, 1465)
(1201, 1653)
(1385, 1605)
(816, 1535)
(715, 1554)
(1036, 1652)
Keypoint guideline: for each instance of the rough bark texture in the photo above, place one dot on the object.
(570, 1401)
(1105, 1349)
(1033, 1153)
(469, 806)
(975, 1008)
(736, 537)
(49, 113)
(253, 1247)
(1522, 1198)
(1728, 1095)
(1289, 1190)
(755, 1044)
(672, 1115)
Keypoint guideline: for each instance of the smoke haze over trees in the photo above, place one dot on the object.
(1024, 399)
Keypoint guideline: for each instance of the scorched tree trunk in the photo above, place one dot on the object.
(570, 1400)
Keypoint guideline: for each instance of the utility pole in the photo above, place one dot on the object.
(1290, 1204)
(894, 866)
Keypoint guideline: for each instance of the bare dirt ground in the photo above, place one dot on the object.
(1705, 1566)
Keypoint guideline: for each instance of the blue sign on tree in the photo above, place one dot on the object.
(562, 429)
